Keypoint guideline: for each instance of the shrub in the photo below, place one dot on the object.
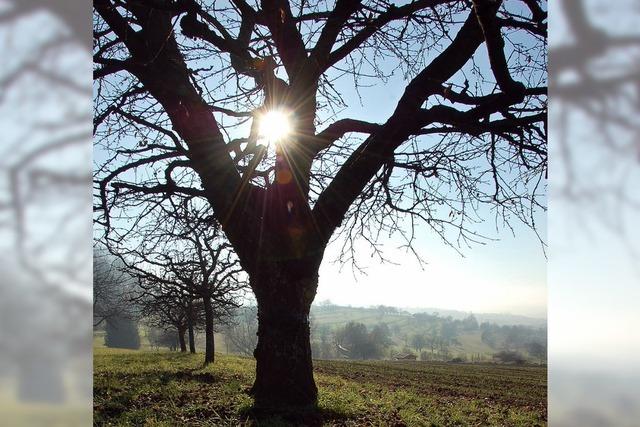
(121, 332)
(506, 356)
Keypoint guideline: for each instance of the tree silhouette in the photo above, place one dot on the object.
(122, 332)
(110, 289)
(167, 307)
(181, 87)
(178, 257)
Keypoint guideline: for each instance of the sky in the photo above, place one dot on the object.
(593, 268)
(507, 275)
(503, 276)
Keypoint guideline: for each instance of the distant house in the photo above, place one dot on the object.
(408, 356)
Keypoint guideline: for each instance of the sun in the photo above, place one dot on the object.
(274, 125)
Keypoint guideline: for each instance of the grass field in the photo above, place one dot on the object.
(141, 388)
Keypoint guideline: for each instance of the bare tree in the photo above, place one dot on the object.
(163, 337)
(241, 333)
(179, 257)
(182, 89)
(111, 289)
(170, 307)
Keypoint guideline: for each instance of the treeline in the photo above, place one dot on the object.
(354, 341)
(421, 336)
(514, 339)
(425, 336)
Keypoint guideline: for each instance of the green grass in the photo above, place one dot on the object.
(143, 388)
(340, 315)
(471, 342)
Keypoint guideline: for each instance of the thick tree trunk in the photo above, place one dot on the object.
(284, 371)
(209, 355)
(183, 344)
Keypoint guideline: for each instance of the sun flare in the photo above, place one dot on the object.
(275, 125)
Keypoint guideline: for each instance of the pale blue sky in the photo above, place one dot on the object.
(507, 275)
(593, 273)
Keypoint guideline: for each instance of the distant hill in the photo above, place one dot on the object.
(447, 334)
(497, 318)
(330, 313)
(511, 319)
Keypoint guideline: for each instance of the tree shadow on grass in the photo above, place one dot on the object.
(185, 375)
(193, 375)
(310, 416)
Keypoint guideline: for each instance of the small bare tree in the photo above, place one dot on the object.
(241, 333)
(178, 257)
(164, 306)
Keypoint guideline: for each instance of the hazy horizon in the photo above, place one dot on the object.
(504, 276)
(430, 310)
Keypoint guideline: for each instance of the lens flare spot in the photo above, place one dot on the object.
(284, 176)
